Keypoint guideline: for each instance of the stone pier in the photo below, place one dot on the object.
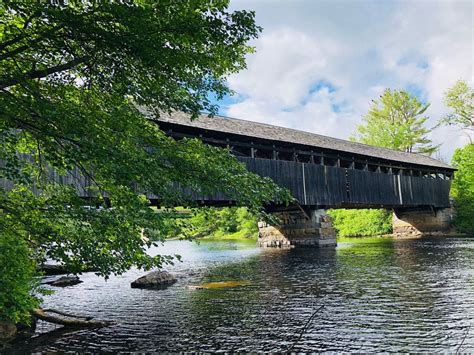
(422, 221)
(298, 229)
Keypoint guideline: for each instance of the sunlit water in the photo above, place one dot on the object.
(378, 295)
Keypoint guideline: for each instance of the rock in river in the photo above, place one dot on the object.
(155, 279)
(65, 281)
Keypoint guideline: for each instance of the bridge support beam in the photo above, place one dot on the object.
(298, 229)
(418, 222)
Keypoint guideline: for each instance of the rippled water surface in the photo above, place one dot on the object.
(378, 295)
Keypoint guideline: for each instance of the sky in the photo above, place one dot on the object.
(318, 64)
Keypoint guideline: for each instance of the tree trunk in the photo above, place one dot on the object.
(77, 321)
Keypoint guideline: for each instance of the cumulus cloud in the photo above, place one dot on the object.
(320, 63)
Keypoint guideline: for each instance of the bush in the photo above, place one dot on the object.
(361, 223)
(463, 188)
(228, 222)
(17, 285)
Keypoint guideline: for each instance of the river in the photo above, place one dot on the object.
(378, 294)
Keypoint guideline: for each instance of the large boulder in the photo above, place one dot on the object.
(155, 279)
(65, 281)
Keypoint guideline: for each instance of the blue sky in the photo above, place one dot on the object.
(318, 64)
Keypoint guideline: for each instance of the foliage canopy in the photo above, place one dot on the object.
(226, 223)
(361, 223)
(460, 98)
(463, 188)
(71, 79)
(396, 121)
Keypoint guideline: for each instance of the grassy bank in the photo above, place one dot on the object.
(361, 223)
(229, 223)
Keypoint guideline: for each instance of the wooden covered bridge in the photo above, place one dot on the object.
(323, 172)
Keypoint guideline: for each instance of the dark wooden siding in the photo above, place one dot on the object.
(322, 185)
(343, 187)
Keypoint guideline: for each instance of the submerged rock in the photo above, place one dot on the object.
(219, 284)
(155, 279)
(65, 281)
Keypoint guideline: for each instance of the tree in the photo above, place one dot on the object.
(396, 121)
(463, 188)
(460, 98)
(72, 79)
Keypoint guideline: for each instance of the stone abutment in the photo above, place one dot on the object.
(422, 222)
(297, 228)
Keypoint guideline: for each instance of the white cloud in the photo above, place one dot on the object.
(320, 63)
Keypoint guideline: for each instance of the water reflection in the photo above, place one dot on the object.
(378, 295)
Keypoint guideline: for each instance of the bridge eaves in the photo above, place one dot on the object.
(287, 135)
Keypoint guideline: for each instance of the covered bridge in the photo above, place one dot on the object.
(321, 171)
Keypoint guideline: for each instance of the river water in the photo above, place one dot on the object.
(378, 295)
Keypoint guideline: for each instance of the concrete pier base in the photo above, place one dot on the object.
(298, 229)
(422, 221)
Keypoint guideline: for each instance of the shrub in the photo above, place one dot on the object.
(17, 285)
(463, 188)
(360, 223)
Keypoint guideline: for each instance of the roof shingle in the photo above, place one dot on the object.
(282, 134)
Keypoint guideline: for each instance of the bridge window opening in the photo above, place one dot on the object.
(372, 168)
(285, 156)
(384, 169)
(396, 171)
(242, 151)
(359, 166)
(330, 162)
(304, 158)
(265, 154)
(346, 164)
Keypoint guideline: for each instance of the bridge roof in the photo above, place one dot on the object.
(288, 135)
